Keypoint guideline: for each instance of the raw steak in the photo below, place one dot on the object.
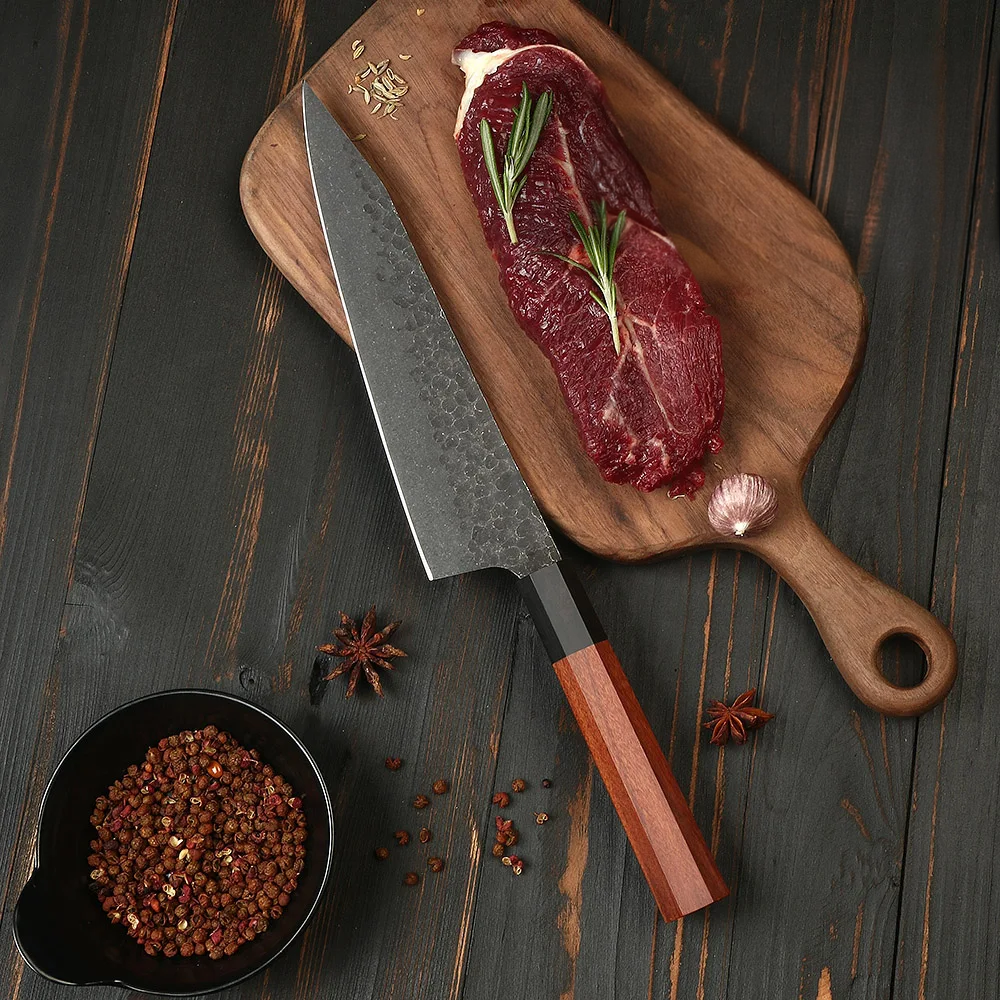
(646, 416)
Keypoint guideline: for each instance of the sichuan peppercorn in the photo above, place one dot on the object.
(197, 847)
(515, 863)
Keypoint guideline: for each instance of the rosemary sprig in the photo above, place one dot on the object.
(529, 120)
(601, 247)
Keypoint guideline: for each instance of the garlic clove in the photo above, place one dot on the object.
(742, 504)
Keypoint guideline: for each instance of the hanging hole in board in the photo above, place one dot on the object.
(903, 660)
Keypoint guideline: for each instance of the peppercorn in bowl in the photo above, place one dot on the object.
(183, 842)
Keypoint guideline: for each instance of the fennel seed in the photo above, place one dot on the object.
(385, 88)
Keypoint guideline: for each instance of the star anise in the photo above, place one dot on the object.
(734, 720)
(365, 651)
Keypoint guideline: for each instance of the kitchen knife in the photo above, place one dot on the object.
(469, 508)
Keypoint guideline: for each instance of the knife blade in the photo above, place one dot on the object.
(466, 502)
(469, 508)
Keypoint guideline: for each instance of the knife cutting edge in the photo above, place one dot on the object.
(469, 508)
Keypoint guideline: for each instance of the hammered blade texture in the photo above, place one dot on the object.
(465, 499)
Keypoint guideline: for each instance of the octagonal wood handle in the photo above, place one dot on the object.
(855, 613)
(674, 857)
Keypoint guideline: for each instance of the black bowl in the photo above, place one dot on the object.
(58, 923)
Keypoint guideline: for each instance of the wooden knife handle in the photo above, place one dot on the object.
(855, 613)
(673, 854)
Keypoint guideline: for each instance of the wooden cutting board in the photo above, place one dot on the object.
(790, 307)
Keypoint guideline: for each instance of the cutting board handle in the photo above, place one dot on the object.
(855, 613)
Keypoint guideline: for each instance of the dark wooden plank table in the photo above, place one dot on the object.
(191, 488)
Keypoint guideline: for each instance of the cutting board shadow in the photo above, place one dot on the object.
(773, 271)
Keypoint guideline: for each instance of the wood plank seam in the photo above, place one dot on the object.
(980, 178)
(43, 751)
(467, 937)
(67, 122)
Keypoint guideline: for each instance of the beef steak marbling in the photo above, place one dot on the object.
(647, 416)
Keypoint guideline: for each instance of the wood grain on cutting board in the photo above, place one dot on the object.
(771, 267)
(791, 311)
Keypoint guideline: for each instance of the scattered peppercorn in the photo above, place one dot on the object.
(402, 838)
(435, 864)
(501, 799)
(506, 834)
(411, 878)
(514, 863)
(541, 818)
(498, 849)
(440, 786)
(394, 763)
(421, 802)
(424, 835)
(518, 785)
(381, 853)
(197, 847)
(546, 783)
